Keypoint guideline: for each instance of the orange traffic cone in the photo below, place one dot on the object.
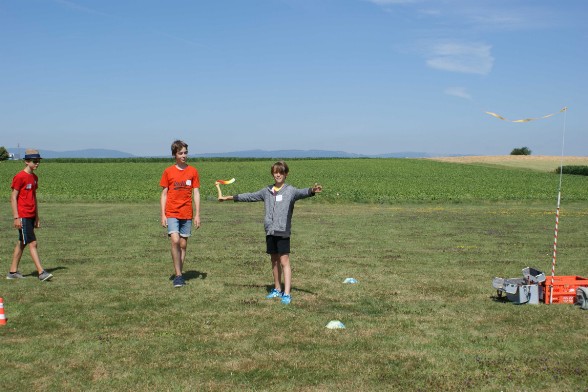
(2, 316)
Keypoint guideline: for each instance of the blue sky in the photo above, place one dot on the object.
(361, 76)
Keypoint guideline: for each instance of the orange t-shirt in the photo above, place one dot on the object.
(179, 184)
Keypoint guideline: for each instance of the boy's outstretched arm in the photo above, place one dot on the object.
(223, 198)
(245, 197)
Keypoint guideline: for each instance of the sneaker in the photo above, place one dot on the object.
(14, 275)
(179, 281)
(275, 293)
(45, 276)
(286, 299)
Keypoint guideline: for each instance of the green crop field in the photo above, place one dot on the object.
(424, 240)
(345, 180)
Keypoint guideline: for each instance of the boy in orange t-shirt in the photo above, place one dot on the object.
(180, 206)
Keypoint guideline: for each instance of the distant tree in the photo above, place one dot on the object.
(4, 155)
(521, 151)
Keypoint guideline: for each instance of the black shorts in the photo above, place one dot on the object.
(26, 235)
(276, 244)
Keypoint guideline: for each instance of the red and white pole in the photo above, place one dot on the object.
(554, 248)
(563, 138)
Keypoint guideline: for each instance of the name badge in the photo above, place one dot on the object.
(279, 198)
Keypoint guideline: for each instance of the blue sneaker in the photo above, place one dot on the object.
(275, 293)
(179, 281)
(286, 299)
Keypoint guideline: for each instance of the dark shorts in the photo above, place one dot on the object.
(26, 235)
(279, 245)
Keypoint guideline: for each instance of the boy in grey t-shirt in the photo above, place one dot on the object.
(279, 202)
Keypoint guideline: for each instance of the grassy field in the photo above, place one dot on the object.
(423, 316)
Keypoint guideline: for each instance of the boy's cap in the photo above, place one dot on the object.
(32, 154)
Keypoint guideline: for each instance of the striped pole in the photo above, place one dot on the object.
(554, 249)
(563, 138)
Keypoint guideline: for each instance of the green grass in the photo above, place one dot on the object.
(423, 316)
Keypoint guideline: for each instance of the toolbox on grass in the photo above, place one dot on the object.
(564, 289)
(525, 290)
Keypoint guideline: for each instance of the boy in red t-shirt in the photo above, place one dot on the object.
(23, 200)
(180, 206)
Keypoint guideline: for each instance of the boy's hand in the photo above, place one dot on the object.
(317, 188)
(218, 189)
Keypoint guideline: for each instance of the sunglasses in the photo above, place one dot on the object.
(37, 161)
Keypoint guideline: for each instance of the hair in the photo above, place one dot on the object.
(280, 167)
(177, 146)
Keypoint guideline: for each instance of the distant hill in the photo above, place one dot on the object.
(280, 154)
(406, 154)
(285, 154)
(308, 154)
(88, 153)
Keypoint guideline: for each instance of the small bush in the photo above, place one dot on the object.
(577, 170)
(521, 151)
(4, 155)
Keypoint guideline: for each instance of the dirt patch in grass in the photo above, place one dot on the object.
(538, 162)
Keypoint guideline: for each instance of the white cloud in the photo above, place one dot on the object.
(460, 57)
(481, 16)
(459, 92)
(496, 18)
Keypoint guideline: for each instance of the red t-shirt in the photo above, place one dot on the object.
(179, 184)
(26, 184)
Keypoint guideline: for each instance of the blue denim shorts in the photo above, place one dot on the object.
(181, 226)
